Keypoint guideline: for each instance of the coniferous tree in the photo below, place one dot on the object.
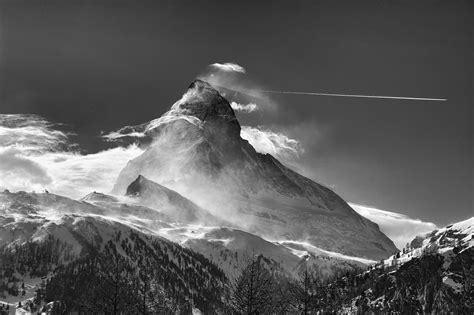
(150, 296)
(253, 291)
(304, 290)
(111, 291)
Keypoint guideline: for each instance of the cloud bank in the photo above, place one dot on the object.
(18, 172)
(400, 228)
(36, 156)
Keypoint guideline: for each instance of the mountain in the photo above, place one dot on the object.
(49, 242)
(221, 242)
(454, 237)
(433, 275)
(196, 150)
(46, 238)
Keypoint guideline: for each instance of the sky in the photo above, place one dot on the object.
(98, 66)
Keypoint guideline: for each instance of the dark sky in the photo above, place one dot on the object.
(102, 65)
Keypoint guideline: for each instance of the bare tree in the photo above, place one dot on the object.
(253, 291)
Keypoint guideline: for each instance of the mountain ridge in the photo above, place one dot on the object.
(173, 204)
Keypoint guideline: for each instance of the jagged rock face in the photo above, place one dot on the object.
(197, 150)
(208, 105)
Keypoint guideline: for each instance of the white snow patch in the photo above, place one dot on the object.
(316, 250)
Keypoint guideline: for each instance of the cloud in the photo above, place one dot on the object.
(31, 133)
(18, 172)
(36, 156)
(228, 67)
(236, 87)
(274, 143)
(400, 228)
(122, 133)
(177, 112)
(248, 108)
(76, 175)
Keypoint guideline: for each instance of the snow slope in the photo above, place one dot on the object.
(96, 218)
(443, 241)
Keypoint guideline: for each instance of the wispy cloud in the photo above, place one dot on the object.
(36, 156)
(228, 78)
(31, 133)
(274, 143)
(76, 175)
(244, 108)
(147, 129)
(228, 67)
(399, 227)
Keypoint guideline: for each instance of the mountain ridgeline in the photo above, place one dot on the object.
(197, 151)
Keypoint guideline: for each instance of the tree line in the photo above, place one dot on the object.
(132, 276)
(416, 287)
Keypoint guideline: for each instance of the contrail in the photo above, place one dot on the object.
(357, 95)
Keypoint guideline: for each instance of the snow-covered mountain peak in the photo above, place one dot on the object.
(198, 152)
(458, 235)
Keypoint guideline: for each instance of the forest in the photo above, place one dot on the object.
(131, 276)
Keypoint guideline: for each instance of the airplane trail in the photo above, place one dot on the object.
(357, 95)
